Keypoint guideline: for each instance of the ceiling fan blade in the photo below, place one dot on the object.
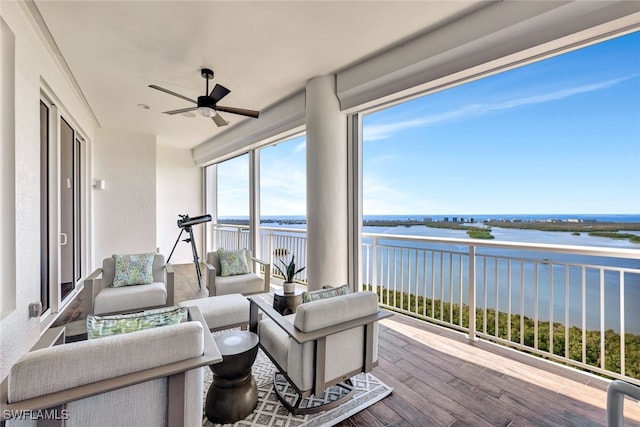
(182, 110)
(161, 89)
(219, 120)
(240, 111)
(218, 92)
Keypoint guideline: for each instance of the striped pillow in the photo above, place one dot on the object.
(104, 326)
(325, 293)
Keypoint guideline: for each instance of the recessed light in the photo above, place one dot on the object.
(143, 106)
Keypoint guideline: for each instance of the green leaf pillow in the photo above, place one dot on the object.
(104, 326)
(233, 263)
(325, 293)
(135, 269)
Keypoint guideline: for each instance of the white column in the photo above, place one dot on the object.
(327, 204)
(254, 203)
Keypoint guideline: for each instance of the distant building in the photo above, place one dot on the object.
(455, 219)
(426, 219)
(446, 219)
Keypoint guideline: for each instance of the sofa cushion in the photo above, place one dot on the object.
(133, 269)
(221, 311)
(233, 263)
(243, 284)
(130, 298)
(325, 293)
(103, 326)
(319, 314)
(66, 366)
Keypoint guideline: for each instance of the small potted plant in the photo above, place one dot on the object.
(289, 273)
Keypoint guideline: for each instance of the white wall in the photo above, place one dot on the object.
(33, 64)
(124, 213)
(179, 191)
(7, 171)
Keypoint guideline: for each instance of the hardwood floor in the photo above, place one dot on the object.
(440, 379)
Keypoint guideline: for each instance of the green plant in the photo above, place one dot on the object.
(290, 269)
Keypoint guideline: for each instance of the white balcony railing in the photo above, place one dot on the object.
(571, 304)
(276, 243)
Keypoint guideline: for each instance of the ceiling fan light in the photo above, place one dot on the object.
(206, 111)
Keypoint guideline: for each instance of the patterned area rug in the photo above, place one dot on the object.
(270, 412)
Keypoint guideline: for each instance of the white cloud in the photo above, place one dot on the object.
(382, 131)
(300, 147)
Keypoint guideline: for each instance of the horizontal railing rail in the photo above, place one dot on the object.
(571, 304)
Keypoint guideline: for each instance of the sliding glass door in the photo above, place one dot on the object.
(70, 266)
(61, 207)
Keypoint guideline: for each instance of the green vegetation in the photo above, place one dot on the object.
(391, 222)
(442, 310)
(567, 226)
(601, 229)
(633, 238)
(473, 232)
(480, 233)
(289, 270)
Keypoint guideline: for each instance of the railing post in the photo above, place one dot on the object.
(374, 263)
(271, 247)
(472, 293)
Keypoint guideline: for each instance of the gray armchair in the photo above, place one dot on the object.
(325, 343)
(152, 377)
(245, 284)
(101, 298)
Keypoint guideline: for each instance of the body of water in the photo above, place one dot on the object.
(497, 292)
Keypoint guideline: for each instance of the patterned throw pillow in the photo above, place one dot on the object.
(104, 326)
(133, 269)
(233, 263)
(325, 293)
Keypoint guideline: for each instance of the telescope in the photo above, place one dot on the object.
(185, 221)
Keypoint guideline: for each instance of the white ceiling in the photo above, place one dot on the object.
(262, 50)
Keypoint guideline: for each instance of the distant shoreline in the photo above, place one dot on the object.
(482, 229)
(533, 224)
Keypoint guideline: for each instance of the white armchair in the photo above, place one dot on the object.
(325, 343)
(100, 297)
(245, 284)
(152, 377)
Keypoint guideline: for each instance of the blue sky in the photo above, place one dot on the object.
(558, 136)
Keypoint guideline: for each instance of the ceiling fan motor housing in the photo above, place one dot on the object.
(206, 101)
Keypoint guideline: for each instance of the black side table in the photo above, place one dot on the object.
(286, 303)
(233, 394)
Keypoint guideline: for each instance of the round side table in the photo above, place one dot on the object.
(286, 303)
(233, 394)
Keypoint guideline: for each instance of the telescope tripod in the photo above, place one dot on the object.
(191, 240)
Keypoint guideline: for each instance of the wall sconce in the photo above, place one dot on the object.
(98, 184)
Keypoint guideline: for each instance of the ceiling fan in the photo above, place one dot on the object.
(207, 105)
